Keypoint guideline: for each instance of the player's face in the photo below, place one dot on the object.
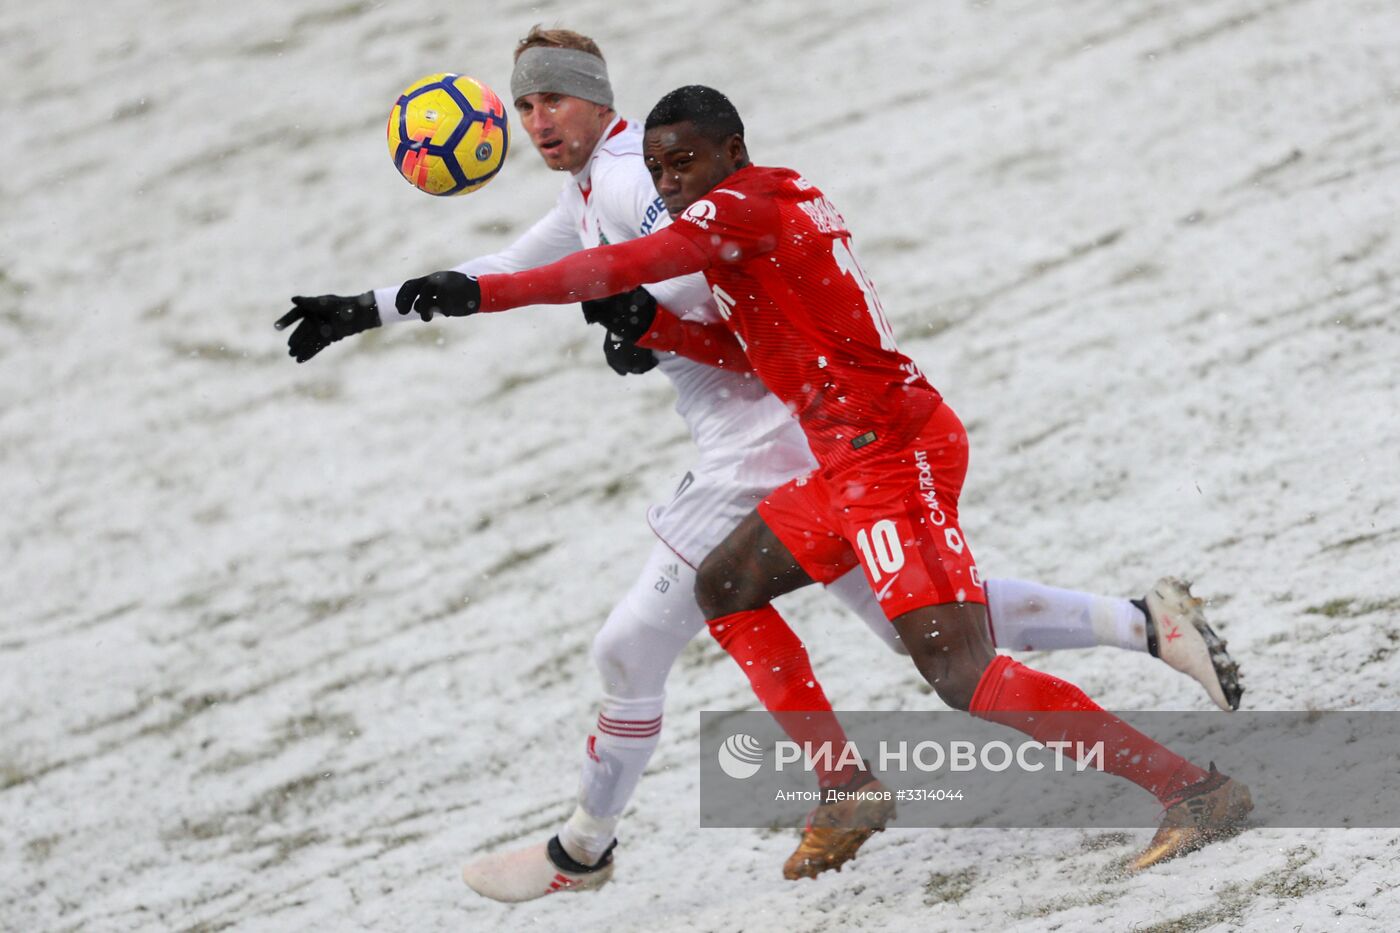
(564, 129)
(685, 164)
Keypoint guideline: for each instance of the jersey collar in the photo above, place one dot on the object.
(584, 176)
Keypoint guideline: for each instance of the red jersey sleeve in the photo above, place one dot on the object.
(594, 273)
(730, 225)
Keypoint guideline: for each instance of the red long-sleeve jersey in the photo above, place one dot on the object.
(779, 261)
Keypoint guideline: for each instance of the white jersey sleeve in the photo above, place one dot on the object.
(550, 239)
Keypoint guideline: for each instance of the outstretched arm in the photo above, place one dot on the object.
(618, 268)
(596, 273)
(550, 238)
(319, 321)
(593, 273)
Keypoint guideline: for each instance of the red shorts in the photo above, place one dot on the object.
(896, 515)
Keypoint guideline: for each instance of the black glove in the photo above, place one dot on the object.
(325, 319)
(629, 315)
(625, 357)
(449, 293)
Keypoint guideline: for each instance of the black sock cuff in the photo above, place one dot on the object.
(565, 862)
(1151, 626)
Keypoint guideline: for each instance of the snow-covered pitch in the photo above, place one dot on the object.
(282, 646)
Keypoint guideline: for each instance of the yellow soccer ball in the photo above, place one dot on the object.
(448, 134)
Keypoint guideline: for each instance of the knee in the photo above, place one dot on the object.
(953, 675)
(608, 658)
(710, 593)
(957, 692)
(615, 654)
(950, 647)
(720, 589)
(948, 681)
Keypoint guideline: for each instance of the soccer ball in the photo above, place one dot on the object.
(448, 134)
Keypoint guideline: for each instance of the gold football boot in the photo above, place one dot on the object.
(1210, 809)
(837, 829)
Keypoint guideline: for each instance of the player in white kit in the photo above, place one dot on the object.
(748, 445)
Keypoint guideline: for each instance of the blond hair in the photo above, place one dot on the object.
(556, 39)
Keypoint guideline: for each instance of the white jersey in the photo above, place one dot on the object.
(749, 444)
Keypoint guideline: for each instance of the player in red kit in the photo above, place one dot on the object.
(892, 455)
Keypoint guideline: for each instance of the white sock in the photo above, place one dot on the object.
(617, 754)
(1024, 616)
(1033, 617)
(634, 651)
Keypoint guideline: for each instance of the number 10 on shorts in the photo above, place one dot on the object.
(880, 548)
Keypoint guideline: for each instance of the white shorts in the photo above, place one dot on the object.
(720, 491)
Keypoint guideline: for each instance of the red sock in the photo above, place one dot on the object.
(1017, 696)
(780, 672)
